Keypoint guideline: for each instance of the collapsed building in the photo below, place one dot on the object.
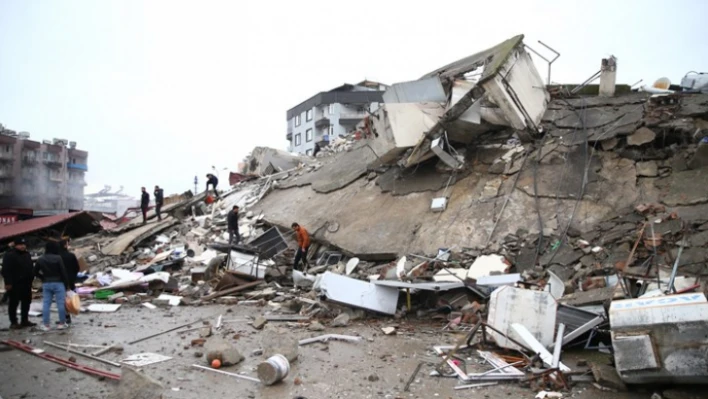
(477, 198)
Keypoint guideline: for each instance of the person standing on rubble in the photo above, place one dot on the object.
(144, 203)
(55, 281)
(159, 200)
(214, 181)
(232, 220)
(71, 264)
(303, 245)
(17, 271)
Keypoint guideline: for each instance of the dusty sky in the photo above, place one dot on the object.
(161, 91)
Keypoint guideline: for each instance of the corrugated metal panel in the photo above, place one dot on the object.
(417, 91)
(32, 225)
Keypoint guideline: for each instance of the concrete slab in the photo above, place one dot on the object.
(687, 188)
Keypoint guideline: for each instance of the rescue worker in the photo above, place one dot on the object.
(232, 220)
(144, 204)
(159, 200)
(214, 181)
(17, 271)
(303, 245)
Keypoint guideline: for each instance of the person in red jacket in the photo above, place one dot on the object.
(303, 245)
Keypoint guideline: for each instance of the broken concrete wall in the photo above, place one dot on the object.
(519, 91)
(265, 161)
(376, 219)
(397, 127)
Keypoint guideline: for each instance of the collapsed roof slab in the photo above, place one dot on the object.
(509, 80)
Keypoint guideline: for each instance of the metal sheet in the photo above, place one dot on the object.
(536, 310)
(417, 91)
(498, 281)
(270, 243)
(420, 286)
(359, 293)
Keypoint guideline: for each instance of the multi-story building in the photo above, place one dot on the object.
(331, 114)
(46, 177)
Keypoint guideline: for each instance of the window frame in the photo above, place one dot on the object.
(298, 139)
(309, 135)
(309, 115)
(298, 120)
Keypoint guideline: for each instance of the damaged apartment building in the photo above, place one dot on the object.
(331, 114)
(39, 178)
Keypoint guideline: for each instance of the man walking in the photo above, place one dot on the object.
(159, 200)
(6, 295)
(214, 181)
(71, 265)
(17, 271)
(232, 220)
(144, 203)
(303, 245)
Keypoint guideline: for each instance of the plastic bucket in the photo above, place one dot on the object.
(273, 370)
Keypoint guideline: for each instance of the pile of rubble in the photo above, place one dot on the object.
(519, 225)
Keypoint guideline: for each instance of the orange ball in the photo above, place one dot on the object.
(216, 363)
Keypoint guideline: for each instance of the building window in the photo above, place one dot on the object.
(8, 149)
(330, 109)
(308, 135)
(331, 130)
(308, 152)
(297, 120)
(308, 115)
(298, 139)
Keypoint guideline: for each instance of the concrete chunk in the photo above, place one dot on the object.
(136, 385)
(647, 169)
(218, 348)
(642, 136)
(607, 376)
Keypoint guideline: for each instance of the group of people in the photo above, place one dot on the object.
(145, 202)
(57, 269)
(159, 194)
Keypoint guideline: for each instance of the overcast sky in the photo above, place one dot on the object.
(161, 91)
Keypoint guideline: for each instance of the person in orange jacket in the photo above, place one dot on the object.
(303, 245)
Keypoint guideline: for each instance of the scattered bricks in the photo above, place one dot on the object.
(198, 342)
(647, 169)
(389, 330)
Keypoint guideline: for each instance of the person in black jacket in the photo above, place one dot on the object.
(50, 269)
(214, 181)
(71, 265)
(232, 220)
(159, 200)
(18, 275)
(144, 203)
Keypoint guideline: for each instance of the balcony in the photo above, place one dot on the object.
(7, 156)
(289, 136)
(53, 163)
(29, 160)
(78, 166)
(352, 117)
(322, 121)
(6, 174)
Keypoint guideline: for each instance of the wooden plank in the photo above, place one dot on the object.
(232, 290)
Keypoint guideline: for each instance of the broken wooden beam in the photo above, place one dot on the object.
(232, 290)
